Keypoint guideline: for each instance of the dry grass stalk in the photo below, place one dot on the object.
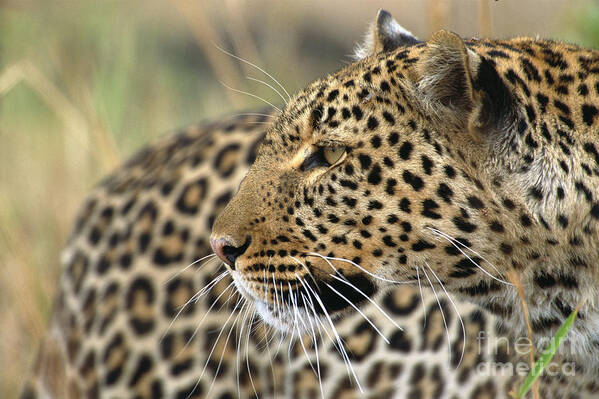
(245, 47)
(206, 36)
(484, 19)
(437, 15)
(102, 146)
(514, 278)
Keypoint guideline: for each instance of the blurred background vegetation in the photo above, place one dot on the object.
(85, 83)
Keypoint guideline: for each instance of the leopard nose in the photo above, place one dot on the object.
(225, 249)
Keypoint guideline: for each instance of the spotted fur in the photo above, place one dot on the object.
(452, 148)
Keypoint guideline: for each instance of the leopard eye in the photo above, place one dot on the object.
(323, 157)
(333, 154)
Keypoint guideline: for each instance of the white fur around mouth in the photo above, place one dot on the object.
(284, 319)
(247, 294)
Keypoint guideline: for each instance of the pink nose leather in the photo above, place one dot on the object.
(218, 246)
(225, 249)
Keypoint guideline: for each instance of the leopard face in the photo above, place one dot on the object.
(453, 162)
(347, 191)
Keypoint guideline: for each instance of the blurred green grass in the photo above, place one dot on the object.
(85, 83)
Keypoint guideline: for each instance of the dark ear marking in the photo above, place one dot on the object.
(497, 110)
(384, 35)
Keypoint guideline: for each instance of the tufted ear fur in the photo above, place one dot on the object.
(456, 84)
(445, 71)
(385, 34)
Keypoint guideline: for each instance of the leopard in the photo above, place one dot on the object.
(389, 233)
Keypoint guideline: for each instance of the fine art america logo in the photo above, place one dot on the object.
(521, 346)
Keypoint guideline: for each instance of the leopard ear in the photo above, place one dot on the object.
(458, 85)
(445, 74)
(384, 35)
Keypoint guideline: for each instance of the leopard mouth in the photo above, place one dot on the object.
(281, 318)
(318, 300)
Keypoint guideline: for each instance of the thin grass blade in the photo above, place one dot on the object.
(547, 355)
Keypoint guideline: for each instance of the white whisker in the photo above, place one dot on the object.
(195, 297)
(272, 367)
(328, 258)
(453, 242)
(255, 114)
(304, 268)
(211, 256)
(265, 284)
(292, 328)
(243, 321)
(317, 320)
(247, 355)
(456, 311)
(359, 311)
(210, 285)
(274, 285)
(207, 312)
(337, 337)
(269, 85)
(315, 347)
(222, 354)
(297, 317)
(212, 350)
(283, 299)
(441, 309)
(255, 66)
(251, 95)
(376, 305)
(421, 296)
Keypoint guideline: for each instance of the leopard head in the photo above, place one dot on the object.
(375, 175)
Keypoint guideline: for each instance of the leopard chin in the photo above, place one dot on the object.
(283, 319)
